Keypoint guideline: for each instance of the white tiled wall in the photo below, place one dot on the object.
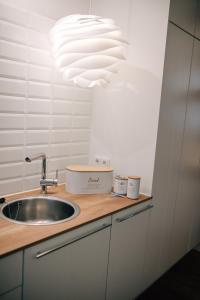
(38, 112)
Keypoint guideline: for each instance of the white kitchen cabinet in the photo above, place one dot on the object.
(12, 295)
(71, 266)
(10, 272)
(183, 13)
(192, 145)
(168, 151)
(127, 248)
(197, 29)
(186, 233)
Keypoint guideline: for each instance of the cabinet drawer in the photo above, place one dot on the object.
(12, 295)
(10, 272)
(54, 244)
(131, 212)
(72, 266)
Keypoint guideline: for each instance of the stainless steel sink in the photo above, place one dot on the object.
(41, 210)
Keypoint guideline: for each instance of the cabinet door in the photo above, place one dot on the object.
(126, 261)
(10, 271)
(187, 216)
(72, 266)
(183, 13)
(168, 150)
(197, 30)
(12, 295)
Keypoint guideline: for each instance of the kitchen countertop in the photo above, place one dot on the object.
(92, 207)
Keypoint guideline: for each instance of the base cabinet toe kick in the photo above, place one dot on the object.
(100, 260)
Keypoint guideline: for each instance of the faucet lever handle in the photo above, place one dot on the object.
(56, 174)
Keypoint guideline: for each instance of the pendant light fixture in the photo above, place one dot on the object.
(87, 49)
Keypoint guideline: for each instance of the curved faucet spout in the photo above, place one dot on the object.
(34, 157)
(44, 165)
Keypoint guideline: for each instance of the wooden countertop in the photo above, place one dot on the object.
(92, 207)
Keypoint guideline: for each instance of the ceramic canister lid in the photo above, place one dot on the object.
(88, 168)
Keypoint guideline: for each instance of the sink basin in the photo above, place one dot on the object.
(41, 210)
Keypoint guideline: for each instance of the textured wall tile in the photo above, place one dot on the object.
(34, 137)
(79, 160)
(33, 168)
(81, 122)
(40, 57)
(35, 149)
(40, 23)
(62, 107)
(36, 115)
(71, 93)
(11, 138)
(80, 135)
(39, 90)
(38, 106)
(62, 122)
(31, 182)
(38, 40)
(11, 32)
(59, 163)
(13, 15)
(12, 69)
(11, 170)
(11, 186)
(60, 150)
(60, 136)
(37, 122)
(36, 73)
(82, 108)
(11, 104)
(12, 87)
(13, 51)
(14, 154)
(79, 148)
(8, 121)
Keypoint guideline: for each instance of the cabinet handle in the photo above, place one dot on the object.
(119, 220)
(43, 253)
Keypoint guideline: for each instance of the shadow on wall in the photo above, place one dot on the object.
(129, 106)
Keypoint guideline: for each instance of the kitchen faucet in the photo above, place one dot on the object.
(44, 182)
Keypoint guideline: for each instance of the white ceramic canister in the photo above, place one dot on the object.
(120, 185)
(133, 187)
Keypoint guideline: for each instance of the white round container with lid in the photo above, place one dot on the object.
(120, 185)
(133, 187)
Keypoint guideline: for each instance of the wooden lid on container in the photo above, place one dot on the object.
(87, 168)
(134, 177)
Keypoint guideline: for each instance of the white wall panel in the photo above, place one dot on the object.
(125, 113)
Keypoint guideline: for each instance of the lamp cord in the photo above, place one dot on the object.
(90, 7)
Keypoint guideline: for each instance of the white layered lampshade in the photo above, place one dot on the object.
(87, 49)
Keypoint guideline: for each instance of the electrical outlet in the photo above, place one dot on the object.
(102, 161)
